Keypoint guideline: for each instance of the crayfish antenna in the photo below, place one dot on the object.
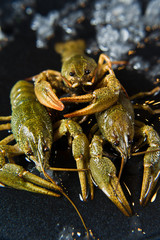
(144, 152)
(72, 203)
(151, 174)
(121, 168)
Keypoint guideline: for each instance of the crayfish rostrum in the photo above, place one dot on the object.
(86, 81)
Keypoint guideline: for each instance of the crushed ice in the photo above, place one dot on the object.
(44, 27)
(119, 25)
(11, 14)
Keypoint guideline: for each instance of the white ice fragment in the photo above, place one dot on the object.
(154, 71)
(66, 233)
(136, 32)
(3, 37)
(36, 22)
(41, 43)
(99, 12)
(98, 18)
(152, 14)
(52, 17)
(29, 10)
(117, 50)
(127, 1)
(92, 47)
(107, 35)
(124, 34)
(137, 66)
(68, 23)
(119, 26)
(40, 21)
(121, 14)
(138, 63)
(44, 27)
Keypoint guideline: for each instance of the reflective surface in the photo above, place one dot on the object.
(25, 215)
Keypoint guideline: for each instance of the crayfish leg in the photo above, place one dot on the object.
(5, 118)
(101, 99)
(151, 162)
(143, 94)
(80, 148)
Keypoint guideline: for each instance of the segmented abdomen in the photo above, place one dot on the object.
(22, 91)
(26, 110)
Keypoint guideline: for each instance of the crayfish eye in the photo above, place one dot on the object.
(116, 143)
(29, 153)
(71, 74)
(87, 71)
(45, 149)
(130, 142)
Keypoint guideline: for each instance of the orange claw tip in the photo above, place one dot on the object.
(54, 103)
(49, 99)
(67, 115)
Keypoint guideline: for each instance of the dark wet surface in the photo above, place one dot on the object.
(25, 215)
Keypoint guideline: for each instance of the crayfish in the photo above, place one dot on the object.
(32, 129)
(114, 113)
(85, 81)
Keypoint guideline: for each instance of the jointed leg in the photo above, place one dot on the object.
(144, 94)
(5, 118)
(16, 176)
(6, 126)
(80, 148)
(101, 99)
(7, 139)
(104, 58)
(151, 160)
(146, 108)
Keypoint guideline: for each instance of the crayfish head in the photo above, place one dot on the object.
(117, 128)
(36, 144)
(79, 71)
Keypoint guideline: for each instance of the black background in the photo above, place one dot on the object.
(25, 215)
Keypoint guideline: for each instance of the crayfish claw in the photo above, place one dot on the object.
(151, 175)
(45, 94)
(151, 162)
(105, 177)
(117, 196)
(16, 176)
(101, 99)
(103, 173)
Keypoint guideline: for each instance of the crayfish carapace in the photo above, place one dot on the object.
(114, 113)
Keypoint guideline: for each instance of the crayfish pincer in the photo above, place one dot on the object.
(104, 174)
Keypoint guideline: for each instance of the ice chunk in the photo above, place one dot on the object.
(44, 27)
(152, 13)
